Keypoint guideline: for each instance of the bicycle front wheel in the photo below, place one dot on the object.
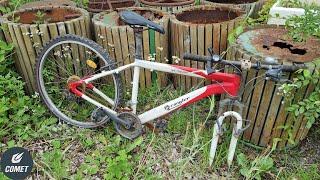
(71, 58)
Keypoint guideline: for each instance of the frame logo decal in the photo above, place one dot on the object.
(176, 104)
(16, 163)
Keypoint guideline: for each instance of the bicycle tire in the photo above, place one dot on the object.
(43, 93)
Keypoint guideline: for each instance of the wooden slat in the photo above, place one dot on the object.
(254, 105)
(208, 42)
(181, 52)
(83, 27)
(230, 30)
(75, 50)
(25, 29)
(111, 44)
(45, 34)
(175, 52)
(164, 41)
(224, 37)
(81, 49)
(146, 54)
(186, 48)
(131, 44)
(37, 43)
(280, 121)
(194, 50)
(53, 30)
(158, 57)
(201, 49)
(23, 64)
(216, 38)
(303, 131)
(266, 136)
(292, 121)
(25, 57)
(125, 53)
(117, 48)
(263, 110)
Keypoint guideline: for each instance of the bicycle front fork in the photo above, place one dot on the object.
(237, 129)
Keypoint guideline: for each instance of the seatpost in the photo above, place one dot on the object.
(138, 55)
(138, 41)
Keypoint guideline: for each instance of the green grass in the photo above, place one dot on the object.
(61, 151)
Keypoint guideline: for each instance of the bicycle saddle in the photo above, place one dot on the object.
(134, 19)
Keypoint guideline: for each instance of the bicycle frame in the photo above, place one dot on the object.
(222, 83)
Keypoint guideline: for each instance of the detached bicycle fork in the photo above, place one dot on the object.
(237, 129)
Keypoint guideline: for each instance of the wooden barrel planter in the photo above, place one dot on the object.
(251, 7)
(4, 4)
(265, 106)
(29, 33)
(118, 39)
(48, 3)
(97, 6)
(195, 29)
(167, 5)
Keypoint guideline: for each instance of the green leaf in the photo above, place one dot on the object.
(135, 144)
(242, 159)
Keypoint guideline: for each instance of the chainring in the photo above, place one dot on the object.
(134, 131)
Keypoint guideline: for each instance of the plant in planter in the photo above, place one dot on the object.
(252, 7)
(266, 109)
(96, 6)
(197, 28)
(168, 5)
(285, 9)
(29, 29)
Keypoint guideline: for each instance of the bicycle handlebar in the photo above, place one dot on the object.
(256, 65)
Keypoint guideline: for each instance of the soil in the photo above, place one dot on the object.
(51, 15)
(167, 2)
(233, 1)
(100, 5)
(48, 3)
(200, 16)
(114, 16)
(275, 42)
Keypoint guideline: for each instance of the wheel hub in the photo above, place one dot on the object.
(73, 79)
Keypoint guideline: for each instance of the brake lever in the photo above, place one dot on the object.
(276, 75)
(214, 58)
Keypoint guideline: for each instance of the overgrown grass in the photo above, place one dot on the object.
(64, 152)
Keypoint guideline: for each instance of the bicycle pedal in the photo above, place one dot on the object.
(125, 109)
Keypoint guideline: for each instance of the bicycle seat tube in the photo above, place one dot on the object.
(138, 41)
(136, 74)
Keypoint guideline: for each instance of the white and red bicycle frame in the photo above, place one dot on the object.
(222, 83)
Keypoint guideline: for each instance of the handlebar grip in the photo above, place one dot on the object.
(289, 68)
(196, 57)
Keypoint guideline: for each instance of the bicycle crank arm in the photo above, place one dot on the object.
(115, 118)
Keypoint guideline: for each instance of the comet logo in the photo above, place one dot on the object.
(16, 158)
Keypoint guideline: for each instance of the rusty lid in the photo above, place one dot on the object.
(167, 2)
(275, 42)
(97, 6)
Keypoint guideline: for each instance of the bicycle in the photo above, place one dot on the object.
(78, 78)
